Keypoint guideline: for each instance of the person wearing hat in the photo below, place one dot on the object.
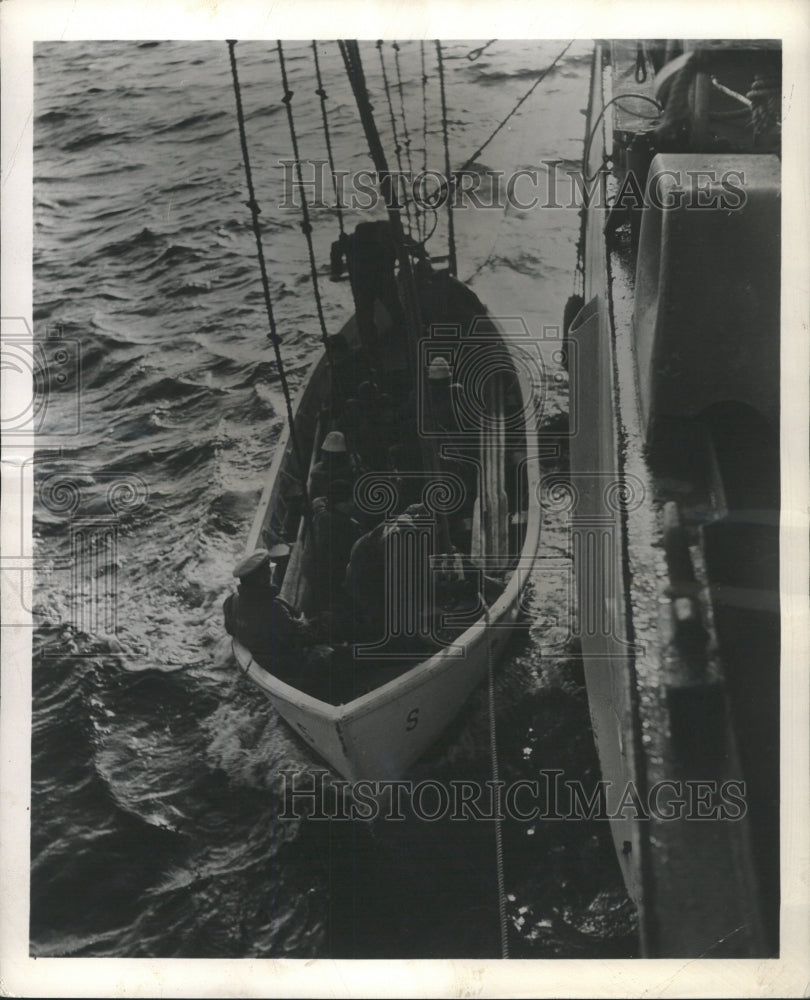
(439, 369)
(365, 581)
(335, 463)
(275, 633)
(279, 558)
(441, 392)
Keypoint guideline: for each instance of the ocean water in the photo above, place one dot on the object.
(156, 768)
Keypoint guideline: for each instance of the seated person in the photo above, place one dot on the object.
(459, 581)
(359, 434)
(442, 396)
(279, 637)
(367, 583)
(335, 463)
(370, 425)
(334, 533)
(401, 465)
(365, 579)
(348, 368)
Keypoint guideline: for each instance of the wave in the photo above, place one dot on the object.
(90, 139)
(156, 768)
(53, 117)
(192, 121)
(145, 238)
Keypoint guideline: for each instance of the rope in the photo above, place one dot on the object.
(350, 52)
(451, 232)
(614, 100)
(253, 205)
(529, 92)
(424, 236)
(765, 96)
(397, 147)
(322, 94)
(474, 54)
(250, 662)
(730, 93)
(579, 271)
(354, 69)
(306, 225)
(405, 131)
(493, 753)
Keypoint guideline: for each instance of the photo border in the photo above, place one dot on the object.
(24, 21)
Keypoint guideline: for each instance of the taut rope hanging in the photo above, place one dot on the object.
(614, 100)
(424, 206)
(496, 789)
(451, 232)
(406, 141)
(424, 125)
(306, 225)
(397, 146)
(322, 94)
(253, 205)
(350, 51)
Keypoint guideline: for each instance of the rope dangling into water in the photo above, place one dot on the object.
(451, 232)
(526, 96)
(496, 790)
(322, 94)
(306, 225)
(273, 336)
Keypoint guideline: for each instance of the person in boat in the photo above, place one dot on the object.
(348, 367)
(370, 253)
(401, 463)
(460, 583)
(279, 558)
(279, 637)
(367, 583)
(335, 463)
(442, 393)
(358, 434)
(364, 582)
(370, 425)
(334, 533)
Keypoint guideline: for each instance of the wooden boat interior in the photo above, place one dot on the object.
(488, 532)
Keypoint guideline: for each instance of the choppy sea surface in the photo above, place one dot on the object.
(156, 768)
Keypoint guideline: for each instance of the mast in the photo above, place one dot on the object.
(350, 50)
